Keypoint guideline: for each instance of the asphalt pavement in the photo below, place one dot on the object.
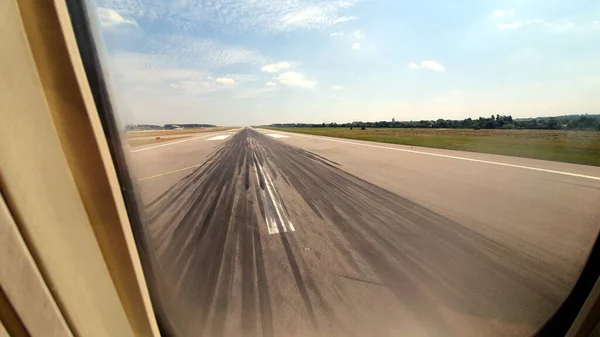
(261, 233)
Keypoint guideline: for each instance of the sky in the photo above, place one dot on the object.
(256, 62)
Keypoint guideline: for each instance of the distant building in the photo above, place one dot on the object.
(173, 127)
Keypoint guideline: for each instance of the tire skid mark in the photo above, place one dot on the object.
(225, 282)
(205, 225)
(249, 298)
(263, 290)
(421, 253)
(208, 225)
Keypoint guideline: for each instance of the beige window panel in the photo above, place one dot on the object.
(23, 285)
(3, 332)
(60, 187)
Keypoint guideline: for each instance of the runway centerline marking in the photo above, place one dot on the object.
(171, 172)
(458, 158)
(172, 143)
(272, 227)
(275, 135)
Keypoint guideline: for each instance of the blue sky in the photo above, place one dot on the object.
(266, 61)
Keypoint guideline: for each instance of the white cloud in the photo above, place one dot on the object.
(225, 80)
(269, 16)
(432, 65)
(429, 65)
(270, 84)
(513, 25)
(371, 46)
(518, 24)
(110, 17)
(359, 34)
(592, 79)
(563, 26)
(275, 67)
(315, 16)
(344, 19)
(336, 34)
(356, 45)
(336, 87)
(498, 13)
(294, 79)
(253, 92)
(147, 85)
(190, 52)
(534, 21)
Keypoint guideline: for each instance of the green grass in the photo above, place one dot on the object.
(579, 147)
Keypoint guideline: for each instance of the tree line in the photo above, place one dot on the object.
(568, 122)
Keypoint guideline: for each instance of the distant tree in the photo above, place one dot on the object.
(570, 122)
(466, 123)
(490, 123)
(440, 123)
(553, 124)
(586, 122)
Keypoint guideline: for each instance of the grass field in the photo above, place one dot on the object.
(579, 147)
(148, 140)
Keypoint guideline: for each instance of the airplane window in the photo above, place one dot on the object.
(357, 168)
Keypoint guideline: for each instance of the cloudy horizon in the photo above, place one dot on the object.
(264, 61)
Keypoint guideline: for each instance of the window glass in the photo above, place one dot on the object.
(359, 168)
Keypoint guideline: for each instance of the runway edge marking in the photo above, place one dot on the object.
(171, 172)
(219, 137)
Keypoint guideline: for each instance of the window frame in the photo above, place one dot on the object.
(109, 218)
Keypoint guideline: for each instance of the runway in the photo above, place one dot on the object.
(261, 233)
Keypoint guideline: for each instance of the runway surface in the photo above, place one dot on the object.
(261, 233)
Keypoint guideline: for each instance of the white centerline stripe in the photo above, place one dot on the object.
(271, 223)
(287, 226)
(459, 158)
(171, 143)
